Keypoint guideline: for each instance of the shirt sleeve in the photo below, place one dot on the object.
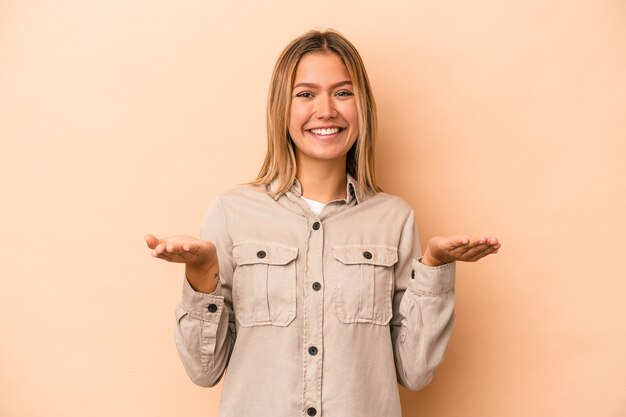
(423, 312)
(204, 330)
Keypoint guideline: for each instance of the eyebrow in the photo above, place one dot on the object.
(313, 85)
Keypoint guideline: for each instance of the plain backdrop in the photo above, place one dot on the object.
(120, 118)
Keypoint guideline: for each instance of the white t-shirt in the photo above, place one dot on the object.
(316, 206)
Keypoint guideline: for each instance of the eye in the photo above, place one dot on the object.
(305, 94)
(344, 93)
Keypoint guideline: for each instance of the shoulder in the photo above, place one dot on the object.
(244, 195)
(388, 210)
(235, 202)
(388, 202)
(244, 191)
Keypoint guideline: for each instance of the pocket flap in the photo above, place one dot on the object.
(246, 253)
(366, 254)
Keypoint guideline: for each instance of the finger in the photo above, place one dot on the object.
(166, 248)
(480, 241)
(171, 256)
(475, 250)
(177, 247)
(461, 244)
(179, 257)
(151, 241)
(457, 241)
(471, 244)
(487, 250)
(477, 243)
(483, 253)
(496, 247)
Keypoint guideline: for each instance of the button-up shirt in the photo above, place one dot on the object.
(315, 315)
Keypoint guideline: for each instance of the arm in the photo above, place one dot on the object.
(423, 308)
(204, 330)
(202, 334)
(424, 300)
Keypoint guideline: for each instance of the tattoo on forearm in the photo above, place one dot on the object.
(216, 276)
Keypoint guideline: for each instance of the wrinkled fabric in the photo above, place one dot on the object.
(315, 314)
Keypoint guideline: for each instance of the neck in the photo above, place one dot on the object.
(322, 181)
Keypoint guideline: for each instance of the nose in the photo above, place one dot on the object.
(326, 108)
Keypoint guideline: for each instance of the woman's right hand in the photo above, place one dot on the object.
(199, 257)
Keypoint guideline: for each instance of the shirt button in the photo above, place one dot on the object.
(412, 273)
(317, 286)
(312, 351)
(367, 255)
(212, 308)
(311, 411)
(261, 254)
(316, 226)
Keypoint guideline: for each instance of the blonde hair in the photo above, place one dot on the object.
(280, 160)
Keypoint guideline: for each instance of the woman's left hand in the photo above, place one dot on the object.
(441, 250)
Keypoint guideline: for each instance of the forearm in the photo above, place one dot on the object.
(203, 278)
(429, 260)
(203, 335)
(427, 317)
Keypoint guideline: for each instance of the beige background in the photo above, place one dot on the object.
(119, 118)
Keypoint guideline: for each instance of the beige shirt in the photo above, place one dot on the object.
(315, 315)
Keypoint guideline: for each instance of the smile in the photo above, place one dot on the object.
(326, 131)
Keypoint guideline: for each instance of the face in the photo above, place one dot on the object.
(323, 121)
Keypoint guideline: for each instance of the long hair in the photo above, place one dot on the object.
(280, 160)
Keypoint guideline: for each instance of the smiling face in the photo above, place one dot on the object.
(323, 122)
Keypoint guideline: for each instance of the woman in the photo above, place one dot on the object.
(309, 283)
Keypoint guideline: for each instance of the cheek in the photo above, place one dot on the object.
(349, 112)
(297, 116)
(354, 129)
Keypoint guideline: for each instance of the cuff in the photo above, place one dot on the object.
(432, 280)
(203, 306)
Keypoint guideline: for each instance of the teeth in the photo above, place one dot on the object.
(322, 132)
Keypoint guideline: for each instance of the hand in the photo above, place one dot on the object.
(182, 249)
(199, 257)
(441, 250)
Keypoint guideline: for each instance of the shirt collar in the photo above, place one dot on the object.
(352, 189)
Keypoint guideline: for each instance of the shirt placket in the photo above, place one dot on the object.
(313, 352)
(313, 305)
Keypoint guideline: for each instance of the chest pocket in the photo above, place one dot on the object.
(264, 284)
(363, 283)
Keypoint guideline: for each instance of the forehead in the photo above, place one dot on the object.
(321, 67)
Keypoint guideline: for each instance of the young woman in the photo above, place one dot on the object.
(308, 290)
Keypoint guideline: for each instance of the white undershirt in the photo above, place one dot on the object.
(316, 206)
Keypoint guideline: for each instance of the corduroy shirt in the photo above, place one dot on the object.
(315, 315)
